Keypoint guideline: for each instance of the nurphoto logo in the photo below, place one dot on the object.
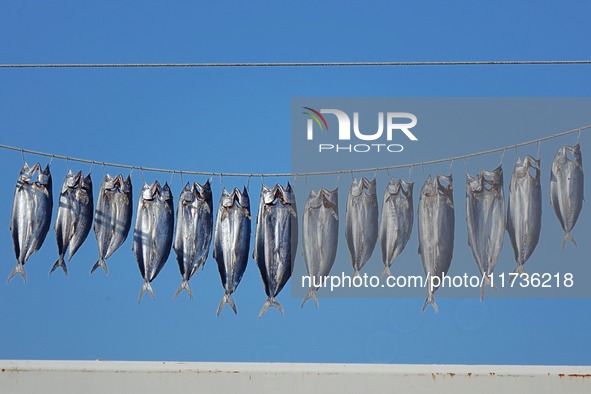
(397, 124)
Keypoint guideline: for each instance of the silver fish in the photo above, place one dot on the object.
(74, 216)
(524, 210)
(231, 242)
(361, 222)
(566, 189)
(320, 237)
(276, 240)
(194, 228)
(112, 217)
(396, 221)
(31, 214)
(486, 220)
(436, 230)
(152, 236)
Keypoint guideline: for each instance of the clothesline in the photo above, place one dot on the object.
(304, 174)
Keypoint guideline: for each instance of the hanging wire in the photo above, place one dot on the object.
(352, 171)
(297, 64)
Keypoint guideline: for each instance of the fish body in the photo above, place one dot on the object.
(194, 229)
(361, 222)
(276, 240)
(74, 216)
(31, 214)
(524, 210)
(320, 229)
(436, 230)
(112, 217)
(231, 244)
(566, 188)
(485, 220)
(396, 221)
(152, 236)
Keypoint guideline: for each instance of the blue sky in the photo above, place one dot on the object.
(238, 120)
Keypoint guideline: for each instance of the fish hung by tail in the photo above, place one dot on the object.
(271, 302)
(568, 236)
(59, 263)
(146, 286)
(100, 263)
(311, 296)
(519, 269)
(226, 299)
(184, 285)
(18, 269)
(430, 300)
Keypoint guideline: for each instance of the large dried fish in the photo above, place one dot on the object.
(194, 228)
(152, 236)
(320, 237)
(566, 188)
(276, 240)
(31, 214)
(396, 221)
(74, 216)
(436, 230)
(485, 219)
(231, 242)
(524, 209)
(361, 222)
(112, 217)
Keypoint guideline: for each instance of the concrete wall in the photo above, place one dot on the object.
(172, 377)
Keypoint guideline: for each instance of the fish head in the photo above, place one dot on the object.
(356, 188)
(575, 152)
(187, 195)
(393, 187)
(85, 183)
(286, 196)
(369, 186)
(203, 192)
(474, 183)
(429, 188)
(444, 185)
(147, 193)
(268, 195)
(164, 193)
(492, 180)
(244, 200)
(109, 182)
(126, 186)
(406, 188)
(227, 198)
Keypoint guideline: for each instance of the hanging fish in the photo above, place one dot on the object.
(320, 237)
(566, 188)
(194, 228)
(112, 217)
(396, 221)
(152, 236)
(74, 216)
(436, 230)
(31, 214)
(486, 220)
(361, 222)
(524, 210)
(231, 242)
(276, 240)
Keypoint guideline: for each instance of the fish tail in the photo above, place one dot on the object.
(270, 302)
(226, 299)
(430, 300)
(568, 236)
(59, 263)
(184, 285)
(100, 263)
(146, 286)
(20, 269)
(519, 269)
(483, 286)
(386, 272)
(311, 295)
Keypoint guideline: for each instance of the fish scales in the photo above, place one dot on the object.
(31, 214)
(232, 242)
(436, 221)
(320, 226)
(276, 240)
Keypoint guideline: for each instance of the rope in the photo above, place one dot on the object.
(303, 174)
(297, 64)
